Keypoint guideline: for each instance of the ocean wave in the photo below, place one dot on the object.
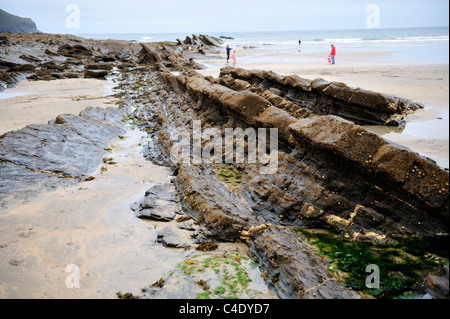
(344, 40)
(380, 39)
(377, 39)
(431, 38)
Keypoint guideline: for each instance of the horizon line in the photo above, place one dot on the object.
(202, 32)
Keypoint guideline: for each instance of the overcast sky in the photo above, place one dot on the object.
(139, 16)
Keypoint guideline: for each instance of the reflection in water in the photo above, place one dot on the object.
(384, 130)
(426, 132)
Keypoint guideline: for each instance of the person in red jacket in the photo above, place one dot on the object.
(333, 54)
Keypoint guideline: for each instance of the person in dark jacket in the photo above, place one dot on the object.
(228, 52)
(200, 49)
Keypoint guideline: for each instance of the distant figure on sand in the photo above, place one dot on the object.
(228, 52)
(333, 54)
(233, 58)
(299, 45)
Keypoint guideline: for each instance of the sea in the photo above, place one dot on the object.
(427, 45)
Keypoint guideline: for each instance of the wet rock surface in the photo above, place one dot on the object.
(68, 149)
(52, 56)
(363, 182)
(437, 285)
(158, 204)
(293, 270)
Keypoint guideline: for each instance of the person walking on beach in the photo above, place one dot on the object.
(233, 58)
(228, 52)
(333, 54)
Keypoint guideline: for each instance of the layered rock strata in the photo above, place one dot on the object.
(332, 174)
(332, 169)
(321, 97)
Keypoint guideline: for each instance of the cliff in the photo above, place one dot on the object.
(14, 24)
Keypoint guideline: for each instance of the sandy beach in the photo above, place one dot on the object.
(37, 102)
(426, 131)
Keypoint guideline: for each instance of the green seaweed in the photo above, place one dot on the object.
(203, 295)
(219, 290)
(402, 265)
(131, 119)
(231, 277)
(230, 176)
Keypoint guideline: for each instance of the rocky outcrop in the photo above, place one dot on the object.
(50, 56)
(332, 174)
(64, 151)
(76, 51)
(335, 171)
(437, 285)
(206, 40)
(293, 269)
(158, 55)
(211, 203)
(324, 98)
(159, 203)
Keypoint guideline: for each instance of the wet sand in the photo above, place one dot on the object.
(37, 102)
(426, 130)
(89, 225)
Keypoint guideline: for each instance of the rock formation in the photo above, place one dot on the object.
(67, 150)
(49, 56)
(206, 40)
(332, 174)
(322, 97)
